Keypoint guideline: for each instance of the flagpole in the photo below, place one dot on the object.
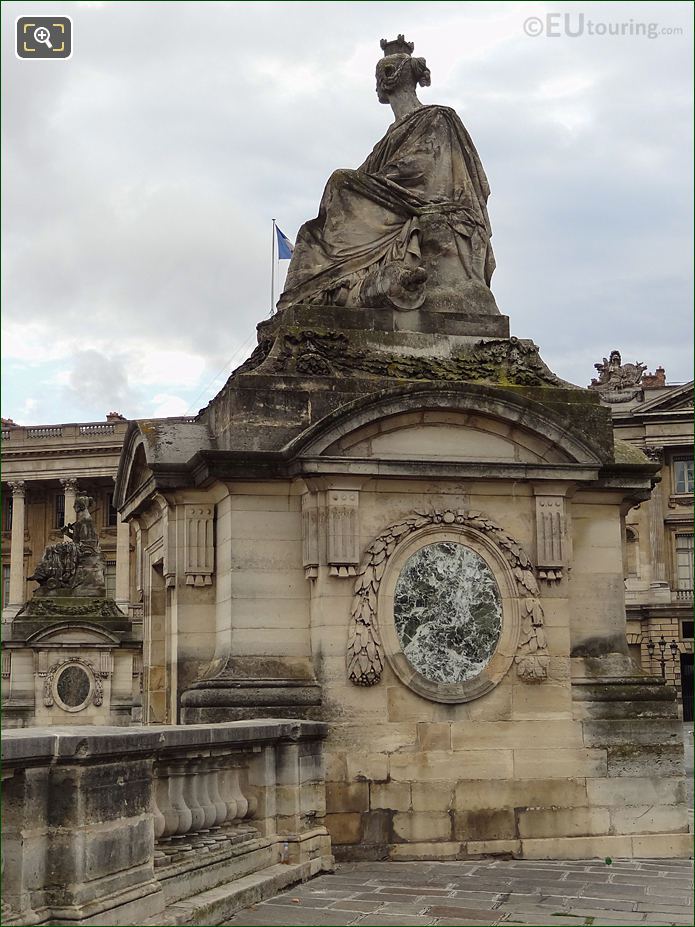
(272, 274)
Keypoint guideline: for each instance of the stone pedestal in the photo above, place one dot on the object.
(351, 441)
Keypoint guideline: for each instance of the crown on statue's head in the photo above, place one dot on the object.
(397, 46)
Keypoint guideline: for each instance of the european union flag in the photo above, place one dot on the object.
(285, 246)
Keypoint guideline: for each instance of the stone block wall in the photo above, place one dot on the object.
(539, 789)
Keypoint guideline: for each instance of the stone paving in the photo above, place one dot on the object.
(486, 892)
(635, 893)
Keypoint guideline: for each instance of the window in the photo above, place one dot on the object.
(682, 474)
(687, 630)
(110, 578)
(684, 561)
(5, 585)
(59, 511)
(111, 513)
(7, 511)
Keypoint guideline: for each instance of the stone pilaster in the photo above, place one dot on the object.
(17, 582)
(659, 583)
(122, 595)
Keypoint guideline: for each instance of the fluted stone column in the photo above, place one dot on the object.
(69, 485)
(17, 583)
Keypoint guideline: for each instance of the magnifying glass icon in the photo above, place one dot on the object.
(43, 36)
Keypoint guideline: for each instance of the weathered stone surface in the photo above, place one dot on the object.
(74, 567)
(485, 825)
(385, 411)
(347, 796)
(390, 795)
(89, 817)
(403, 235)
(419, 827)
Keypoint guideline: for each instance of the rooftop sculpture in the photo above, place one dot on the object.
(410, 225)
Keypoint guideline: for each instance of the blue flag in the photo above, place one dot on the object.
(285, 246)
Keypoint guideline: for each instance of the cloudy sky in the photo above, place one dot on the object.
(141, 177)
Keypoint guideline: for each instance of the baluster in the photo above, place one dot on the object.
(226, 790)
(159, 797)
(204, 793)
(191, 791)
(242, 805)
(251, 800)
(160, 787)
(214, 768)
(181, 814)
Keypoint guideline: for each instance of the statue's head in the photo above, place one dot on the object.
(398, 69)
(83, 503)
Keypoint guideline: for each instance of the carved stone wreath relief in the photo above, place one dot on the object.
(365, 652)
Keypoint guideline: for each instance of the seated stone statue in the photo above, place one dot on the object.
(410, 225)
(74, 567)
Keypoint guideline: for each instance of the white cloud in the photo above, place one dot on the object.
(165, 405)
(141, 180)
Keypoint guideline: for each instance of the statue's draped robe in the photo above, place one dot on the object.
(425, 163)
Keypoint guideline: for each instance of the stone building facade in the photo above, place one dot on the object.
(43, 469)
(657, 417)
(289, 535)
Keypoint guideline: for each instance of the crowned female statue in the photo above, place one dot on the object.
(410, 225)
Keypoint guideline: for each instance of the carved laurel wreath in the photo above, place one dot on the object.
(365, 654)
(96, 695)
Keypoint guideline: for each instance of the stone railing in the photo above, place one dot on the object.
(74, 433)
(684, 595)
(159, 824)
(97, 429)
(54, 431)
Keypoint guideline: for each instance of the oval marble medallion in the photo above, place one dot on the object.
(448, 612)
(73, 686)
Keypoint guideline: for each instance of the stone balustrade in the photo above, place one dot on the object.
(73, 433)
(54, 431)
(159, 824)
(98, 429)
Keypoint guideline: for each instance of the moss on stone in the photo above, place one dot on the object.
(628, 453)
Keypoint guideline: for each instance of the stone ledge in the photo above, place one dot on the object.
(219, 904)
(633, 846)
(35, 746)
(383, 319)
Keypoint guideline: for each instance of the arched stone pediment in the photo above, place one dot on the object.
(451, 435)
(72, 633)
(457, 423)
(133, 468)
